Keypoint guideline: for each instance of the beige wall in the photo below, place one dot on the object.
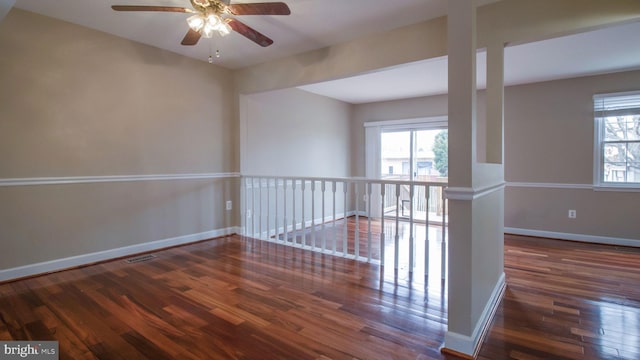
(5, 6)
(295, 133)
(549, 132)
(77, 102)
(51, 222)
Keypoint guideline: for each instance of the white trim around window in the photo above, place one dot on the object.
(616, 133)
(428, 122)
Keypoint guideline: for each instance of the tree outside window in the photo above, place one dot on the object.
(441, 152)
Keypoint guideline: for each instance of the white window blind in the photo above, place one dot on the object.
(617, 140)
(620, 104)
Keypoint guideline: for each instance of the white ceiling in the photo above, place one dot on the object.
(316, 24)
(312, 24)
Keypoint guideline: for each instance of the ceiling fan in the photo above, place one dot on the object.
(218, 16)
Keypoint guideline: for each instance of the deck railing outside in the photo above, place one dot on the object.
(355, 218)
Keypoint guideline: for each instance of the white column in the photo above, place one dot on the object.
(475, 193)
(495, 103)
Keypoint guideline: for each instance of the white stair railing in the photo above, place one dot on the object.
(324, 215)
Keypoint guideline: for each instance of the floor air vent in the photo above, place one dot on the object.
(140, 258)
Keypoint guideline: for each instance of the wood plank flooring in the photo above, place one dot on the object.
(567, 300)
(239, 298)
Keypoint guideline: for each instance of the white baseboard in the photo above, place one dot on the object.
(574, 237)
(73, 261)
(470, 345)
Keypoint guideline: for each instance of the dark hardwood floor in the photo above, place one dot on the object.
(567, 300)
(239, 298)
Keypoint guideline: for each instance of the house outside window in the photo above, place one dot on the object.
(617, 140)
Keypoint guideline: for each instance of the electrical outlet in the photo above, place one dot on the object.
(572, 214)
(229, 205)
(249, 214)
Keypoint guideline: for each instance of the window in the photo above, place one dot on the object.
(617, 139)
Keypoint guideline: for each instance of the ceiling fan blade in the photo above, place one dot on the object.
(249, 33)
(151, 8)
(266, 8)
(191, 38)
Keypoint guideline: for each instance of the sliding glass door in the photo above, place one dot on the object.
(413, 155)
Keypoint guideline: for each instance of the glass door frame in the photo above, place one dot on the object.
(373, 148)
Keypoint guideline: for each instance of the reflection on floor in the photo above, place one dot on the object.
(331, 236)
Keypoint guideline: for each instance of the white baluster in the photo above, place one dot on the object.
(260, 209)
(246, 207)
(356, 244)
(427, 190)
(335, 231)
(303, 236)
(345, 232)
(253, 208)
(369, 222)
(313, 214)
(275, 206)
(293, 211)
(285, 226)
(268, 209)
(411, 262)
(397, 237)
(444, 241)
(323, 186)
(382, 230)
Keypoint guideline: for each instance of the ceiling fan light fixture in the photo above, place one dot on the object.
(196, 22)
(207, 31)
(206, 24)
(224, 29)
(213, 20)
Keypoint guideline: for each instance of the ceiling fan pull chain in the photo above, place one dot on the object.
(210, 50)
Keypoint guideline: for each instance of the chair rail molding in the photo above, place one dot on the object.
(468, 193)
(111, 178)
